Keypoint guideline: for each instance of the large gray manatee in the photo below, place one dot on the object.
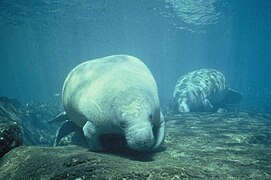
(115, 95)
(204, 90)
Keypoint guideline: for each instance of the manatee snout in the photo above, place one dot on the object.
(140, 137)
(144, 141)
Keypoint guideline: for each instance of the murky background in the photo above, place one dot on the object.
(42, 40)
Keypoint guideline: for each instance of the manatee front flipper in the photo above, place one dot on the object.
(159, 132)
(232, 97)
(183, 107)
(66, 128)
(92, 136)
(207, 106)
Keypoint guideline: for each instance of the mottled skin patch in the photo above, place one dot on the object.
(201, 90)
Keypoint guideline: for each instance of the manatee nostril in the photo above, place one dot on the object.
(150, 117)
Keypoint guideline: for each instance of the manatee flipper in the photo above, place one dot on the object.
(159, 132)
(66, 128)
(92, 137)
(207, 106)
(183, 107)
(59, 118)
(232, 97)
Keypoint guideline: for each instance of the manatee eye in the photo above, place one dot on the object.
(123, 124)
(150, 117)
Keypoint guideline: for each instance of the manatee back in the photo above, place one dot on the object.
(196, 86)
(91, 87)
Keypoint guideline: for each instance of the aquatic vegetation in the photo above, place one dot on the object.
(31, 119)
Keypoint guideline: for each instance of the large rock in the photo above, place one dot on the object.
(10, 136)
(197, 146)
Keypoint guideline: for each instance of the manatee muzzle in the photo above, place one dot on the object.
(140, 137)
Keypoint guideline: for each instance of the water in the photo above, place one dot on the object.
(42, 40)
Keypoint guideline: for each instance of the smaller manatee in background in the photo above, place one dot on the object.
(204, 90)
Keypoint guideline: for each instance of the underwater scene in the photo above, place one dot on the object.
(135, 89)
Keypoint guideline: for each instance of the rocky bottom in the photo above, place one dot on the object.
(197, 146)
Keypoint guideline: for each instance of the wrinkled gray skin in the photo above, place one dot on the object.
(115, 95)
(204, 90)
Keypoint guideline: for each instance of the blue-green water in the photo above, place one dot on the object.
(42, 40)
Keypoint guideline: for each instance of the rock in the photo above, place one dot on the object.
(10, 137)
(197, 146)
(74, 162)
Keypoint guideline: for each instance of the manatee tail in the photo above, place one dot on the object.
(59, 118)
(232, 97)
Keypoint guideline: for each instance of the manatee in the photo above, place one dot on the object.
(113, 95)
(204, 90)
